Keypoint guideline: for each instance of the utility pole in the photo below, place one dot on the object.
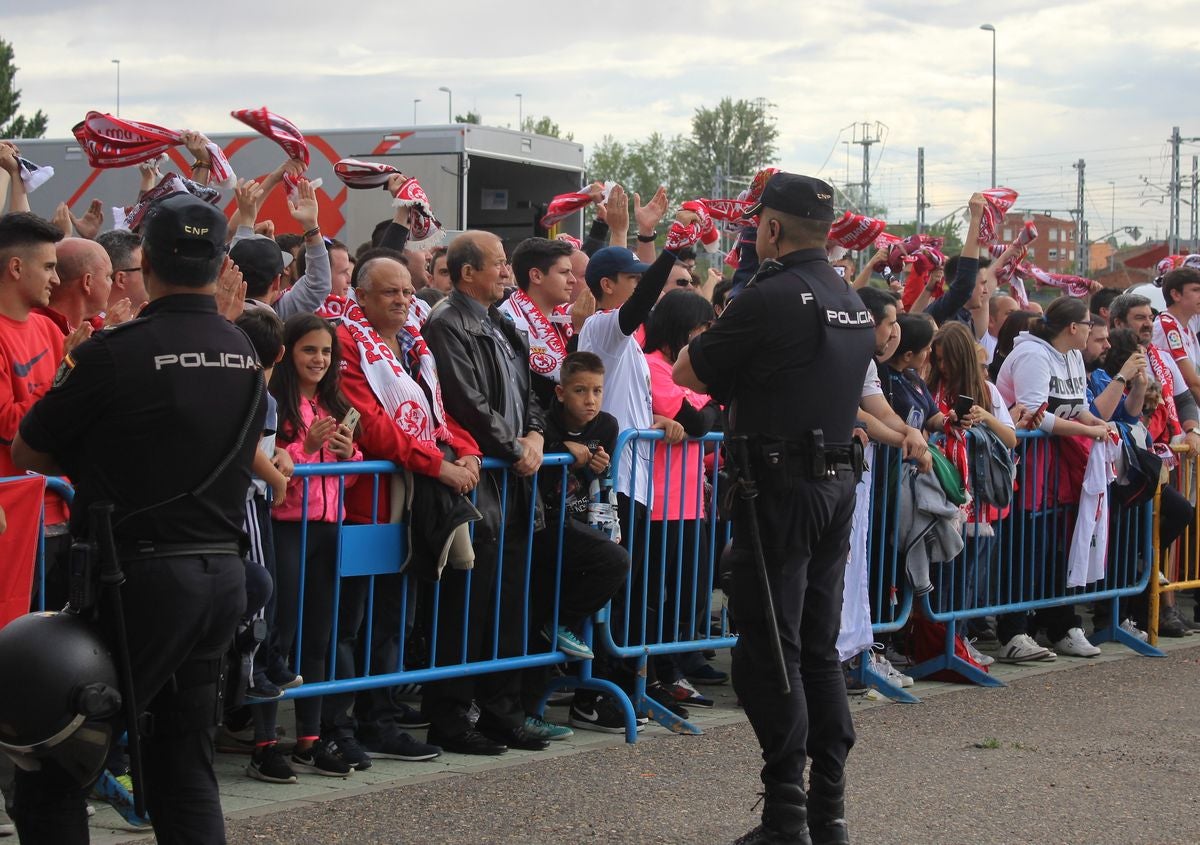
(920, 190)
(1173, 230)
(1081, 243)
(1194, 235)
(866, 141)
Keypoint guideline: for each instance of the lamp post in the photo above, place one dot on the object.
(449, 104)
(1112, 220)
(117, 62)
(987, 27)
(415, 101)
(520, 113)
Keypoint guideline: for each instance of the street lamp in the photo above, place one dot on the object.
(520, 113)
(1112, 220)
(449, 104)
(117, 62)
(415, 101)
(987, 27)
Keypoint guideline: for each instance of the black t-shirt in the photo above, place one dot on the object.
(600, 432)
(146, 411)
(789, 353)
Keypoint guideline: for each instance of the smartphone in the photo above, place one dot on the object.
(351, 419)
(963, 406)
(1041, 410)
(840, 270)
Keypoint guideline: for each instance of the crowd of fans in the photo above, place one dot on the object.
(435, 358)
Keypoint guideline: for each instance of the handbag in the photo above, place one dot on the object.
(948, 477)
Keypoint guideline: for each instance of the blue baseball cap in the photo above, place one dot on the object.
(610, 261)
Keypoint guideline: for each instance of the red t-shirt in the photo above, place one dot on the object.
(30, 352)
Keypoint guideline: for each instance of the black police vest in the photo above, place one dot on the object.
(819, 384)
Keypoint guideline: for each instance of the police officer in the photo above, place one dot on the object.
(179, 389)
(788, 357)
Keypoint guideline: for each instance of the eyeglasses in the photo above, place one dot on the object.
(1088, 323)
(129, 270)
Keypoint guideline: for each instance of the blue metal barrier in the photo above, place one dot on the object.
(1023, 567)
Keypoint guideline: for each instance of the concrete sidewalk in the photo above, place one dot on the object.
(380, 805)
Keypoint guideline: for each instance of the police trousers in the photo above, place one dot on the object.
(180, 617)
(805, 532)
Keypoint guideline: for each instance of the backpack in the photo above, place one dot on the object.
(1143, 472)
(993, 470)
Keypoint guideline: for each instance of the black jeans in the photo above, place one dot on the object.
(180, 617)
(320, 561)
(805, 531)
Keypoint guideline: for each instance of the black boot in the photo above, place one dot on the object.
(827, 810)
(784, 818)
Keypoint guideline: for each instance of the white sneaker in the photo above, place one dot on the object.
(1130, 627)
(977, 655)
(1076, 644)
(893, 675)
(1022, 648)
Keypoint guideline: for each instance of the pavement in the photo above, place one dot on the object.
(1076, 751)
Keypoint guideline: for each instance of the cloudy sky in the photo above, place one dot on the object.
(1095, 80)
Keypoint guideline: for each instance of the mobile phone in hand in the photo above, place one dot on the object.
(963, 406)
(351, 419)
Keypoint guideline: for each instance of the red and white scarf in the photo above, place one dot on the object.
(398, 392)
(1162, 372)
(423, 228)
(997, 202)
(1007, 273)
(284, 133)
(854, 231)
(548, 336)
(109, 141)
(564, 205)
(131, 217)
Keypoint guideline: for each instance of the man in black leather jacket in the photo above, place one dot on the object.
(483, 368)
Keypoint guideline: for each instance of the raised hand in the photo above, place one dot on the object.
(648, 216)
(303, 206)
(88, 226)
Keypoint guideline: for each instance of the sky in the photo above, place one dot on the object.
(1074, 80)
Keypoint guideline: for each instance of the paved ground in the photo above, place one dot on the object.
(1097, 751)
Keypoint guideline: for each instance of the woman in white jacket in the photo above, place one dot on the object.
(1046, 369)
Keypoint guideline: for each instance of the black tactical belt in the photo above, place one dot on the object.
(151, 549)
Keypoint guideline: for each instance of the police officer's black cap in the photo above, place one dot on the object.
(185, 225)
(259, 258)
(799, 196)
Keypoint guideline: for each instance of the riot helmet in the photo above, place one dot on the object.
(59, 692)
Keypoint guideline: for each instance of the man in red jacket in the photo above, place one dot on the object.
(390, 378)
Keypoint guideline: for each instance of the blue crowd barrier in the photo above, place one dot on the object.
(668, 605)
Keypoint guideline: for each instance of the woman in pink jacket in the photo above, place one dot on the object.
(311, 428)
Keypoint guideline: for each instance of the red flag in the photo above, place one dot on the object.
(21, 499)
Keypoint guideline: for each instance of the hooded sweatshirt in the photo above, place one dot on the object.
(1036, 372)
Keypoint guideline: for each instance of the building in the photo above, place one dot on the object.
(1133, 265)
(1054, 249)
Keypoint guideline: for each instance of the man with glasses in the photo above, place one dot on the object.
(124, 250)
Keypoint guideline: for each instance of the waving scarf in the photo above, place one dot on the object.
(284, 133)
(564, 205)
(399, 393)
(131, 217)
(109, 141)
(997, 202)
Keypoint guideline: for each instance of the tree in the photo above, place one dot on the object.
(469, 117)
(13, 125)
(545, 126)
(737, 136)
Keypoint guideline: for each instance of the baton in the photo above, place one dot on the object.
(748, 493)
(111, 579)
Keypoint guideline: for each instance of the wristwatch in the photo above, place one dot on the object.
(1120, 378)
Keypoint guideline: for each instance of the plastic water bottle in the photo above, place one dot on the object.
(602, 509)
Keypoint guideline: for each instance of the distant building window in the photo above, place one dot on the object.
(1053, 254)
(1054, 234)
(1071, 255)
(1032, 253)
(1008, 236)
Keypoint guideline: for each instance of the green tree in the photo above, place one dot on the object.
(545, 126)
(469, 117)
(13, 125)
(737, 136)
(608, 161)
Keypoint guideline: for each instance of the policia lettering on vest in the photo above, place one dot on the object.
(159, 417)
(787, 357)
